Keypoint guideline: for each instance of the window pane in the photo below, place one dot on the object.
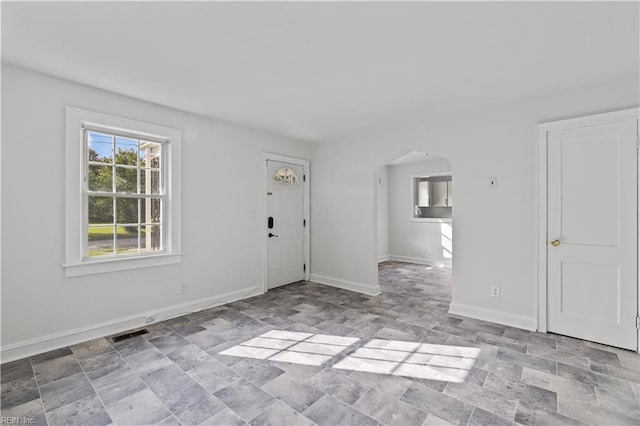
(126, 180)
(149, 181)
(127, 210)
(156, 210)
(100, 147)
(423, 193)
(100, 210)
(100, 233)
(143, 153)
(150, 154)
(150, 210)
(126, 151)
(432, 197)
(137, 170)
(100, 241)
(285, 175)
(127, 241)
(151, 238)
(100, 178)
(438, 194)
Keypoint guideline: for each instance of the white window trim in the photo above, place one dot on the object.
(75, 264)
(412, 183)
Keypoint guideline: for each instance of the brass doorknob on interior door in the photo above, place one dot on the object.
(555, 243)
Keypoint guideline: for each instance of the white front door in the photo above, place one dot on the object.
(285, 223)
(592, 233)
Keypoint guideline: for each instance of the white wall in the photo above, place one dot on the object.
(222, 242)
(383, 214)
(416, 241)
(495, 230)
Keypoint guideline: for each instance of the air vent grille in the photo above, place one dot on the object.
(129, 335)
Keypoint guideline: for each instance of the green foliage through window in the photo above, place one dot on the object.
(124, 193)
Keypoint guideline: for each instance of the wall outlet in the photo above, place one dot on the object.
(495, 291)
(183, 288)
(150, 319)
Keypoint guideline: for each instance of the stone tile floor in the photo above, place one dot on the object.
(308, 354)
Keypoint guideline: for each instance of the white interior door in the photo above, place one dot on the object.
(285, 223)
(592, 233)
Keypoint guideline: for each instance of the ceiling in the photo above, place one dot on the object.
(413, 157)
(322, 70)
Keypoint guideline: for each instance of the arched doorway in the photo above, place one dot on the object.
(415, 222)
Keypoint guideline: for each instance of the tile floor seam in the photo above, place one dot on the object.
(276, 401)
(104, 406)
(484, 380)
(143, 381)
(39, 392)
(159, 399)
(471, 415)
(464, 402)
(516, 415)
(349, 406)
(362, 396)
(218, 399)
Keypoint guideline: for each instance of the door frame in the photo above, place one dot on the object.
(266, 156)
(541, 233)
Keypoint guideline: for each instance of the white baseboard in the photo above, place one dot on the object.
(384, 258)
(71, 337)
(422, 261)
(346, 285)
(499, 317)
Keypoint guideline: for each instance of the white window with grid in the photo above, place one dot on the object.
(123, 194)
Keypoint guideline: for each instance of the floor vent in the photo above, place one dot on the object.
(130, 335)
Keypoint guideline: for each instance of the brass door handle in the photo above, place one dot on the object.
(555, 243)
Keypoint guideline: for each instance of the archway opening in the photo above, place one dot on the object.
(415, 194)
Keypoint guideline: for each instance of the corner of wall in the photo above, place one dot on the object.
(347, 285)
(499, 317)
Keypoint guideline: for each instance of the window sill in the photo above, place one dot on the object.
(432, 219)
(121, 264)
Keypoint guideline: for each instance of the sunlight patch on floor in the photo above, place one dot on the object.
(410, 359)
(390, 357)
(291, 346)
